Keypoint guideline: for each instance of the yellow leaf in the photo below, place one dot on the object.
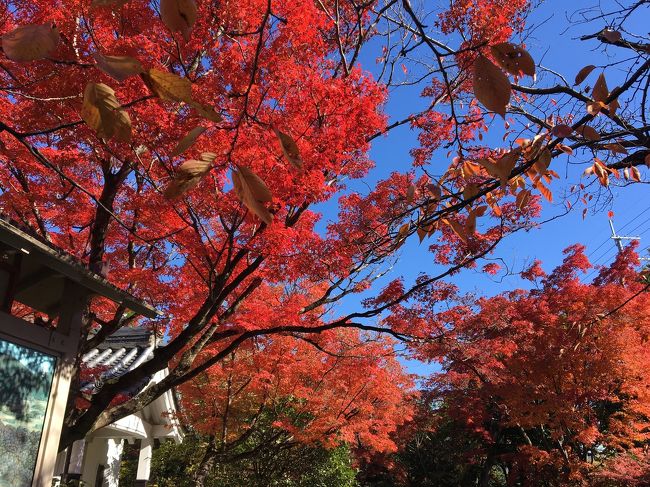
(168, 86)
(252, 192)
(30, 42)
(289, 149)
(583, 73)
(187, 141)
(514, 59)
(104, 114)
(118, 67)
(179, 16)
(491, 86)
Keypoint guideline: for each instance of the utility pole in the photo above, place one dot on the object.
(618, 240)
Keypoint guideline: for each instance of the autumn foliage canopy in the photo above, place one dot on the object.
(184, 149)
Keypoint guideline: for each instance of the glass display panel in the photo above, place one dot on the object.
(25, 382)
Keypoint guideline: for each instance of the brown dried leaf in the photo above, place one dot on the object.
(168, 86)
(457, 228)
(252, 192)
(207, 112)
(491, 86)
(612, 35)
(179, 16)
(104, 114)
(30, 42)
(600, 92)
(616, 148)
(562, 131)
(187, 141)
(513, 58)
(503, 167)
(187, 177)
(118, 67)
(583, 73)
(543, 161)
(289, 149)
(588, 132)
(410, 194)
(523, 197)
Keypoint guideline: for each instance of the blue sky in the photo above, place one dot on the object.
(557, 48)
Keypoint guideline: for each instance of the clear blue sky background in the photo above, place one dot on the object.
(559, 49)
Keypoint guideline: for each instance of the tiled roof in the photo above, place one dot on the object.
(57, 260)
(120, 353)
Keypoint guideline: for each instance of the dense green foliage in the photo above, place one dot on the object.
(288, 466)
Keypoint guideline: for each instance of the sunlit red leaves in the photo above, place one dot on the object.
(105, 3)
(30, 42)
(537, 351)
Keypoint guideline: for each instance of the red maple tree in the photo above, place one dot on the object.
(179, 148)
(554, 380)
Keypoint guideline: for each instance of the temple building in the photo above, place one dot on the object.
(96, 459)
(44, 293)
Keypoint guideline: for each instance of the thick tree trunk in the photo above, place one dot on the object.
(207, 464)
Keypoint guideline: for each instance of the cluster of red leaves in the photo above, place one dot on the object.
(562, 371)
(333, 388)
